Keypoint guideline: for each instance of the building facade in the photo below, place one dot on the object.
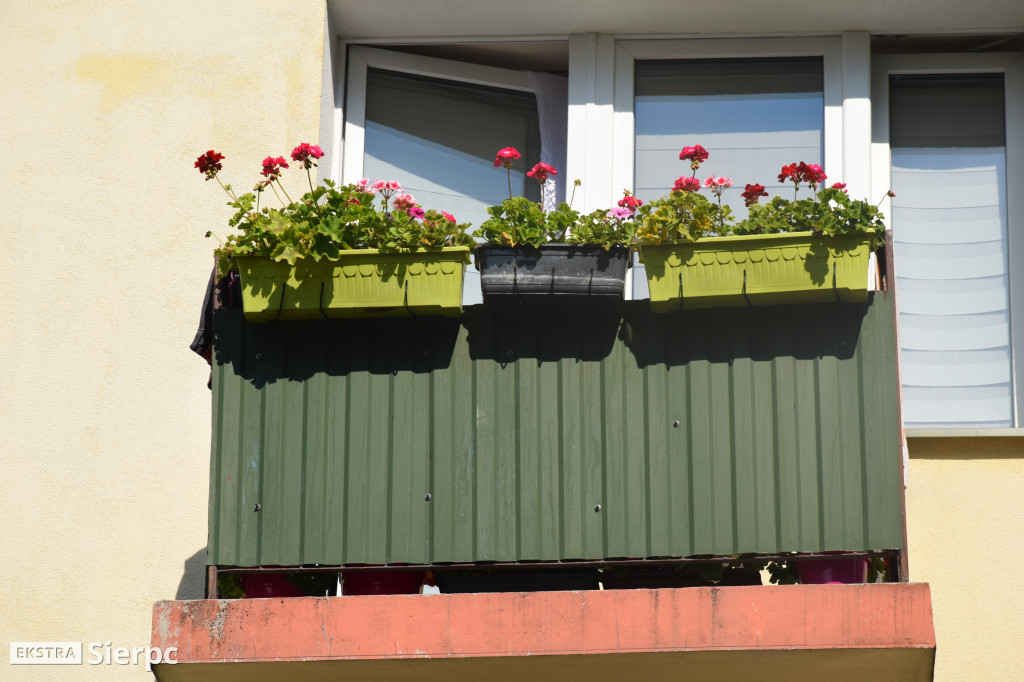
(109, 416)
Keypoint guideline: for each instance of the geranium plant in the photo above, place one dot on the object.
(517, 221)
(685, 215)
(328, 219)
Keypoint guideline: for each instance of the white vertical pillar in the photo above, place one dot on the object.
(590, 147)
(857, 113)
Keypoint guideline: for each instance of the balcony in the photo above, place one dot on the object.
(834, 632)
(534, 461)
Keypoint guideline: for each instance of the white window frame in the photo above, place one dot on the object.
(830, 49)
(362, 58)
(1011, 65)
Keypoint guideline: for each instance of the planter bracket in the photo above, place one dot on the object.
(405, 300)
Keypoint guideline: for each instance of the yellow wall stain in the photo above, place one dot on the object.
(127, 76)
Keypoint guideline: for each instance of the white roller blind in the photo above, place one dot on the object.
(950, 234)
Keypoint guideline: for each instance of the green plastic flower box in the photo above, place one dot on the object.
(722, 272)
(361, 283)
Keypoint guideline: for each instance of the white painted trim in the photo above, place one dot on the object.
(355, 117)
(361, 58)
(623, 124)
(832, 68)
(1011, 65)
(881, 157)
(600, 127)
(856, 136)
(338, 123)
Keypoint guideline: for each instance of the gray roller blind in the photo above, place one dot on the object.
(439, 138)
(950, 232)
(752, 115)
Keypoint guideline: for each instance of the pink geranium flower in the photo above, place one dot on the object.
(718, 185)
(404, 202)
(621, 213)
(449, 217)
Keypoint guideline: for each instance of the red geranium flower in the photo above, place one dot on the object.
(694, 153)
(449, 217)
(272, 167)
(789, 173)
(686, 185)
(540, 172)
(305, 153)
(631, 202)
(751, 193)
(209, 163)
(839, 185)
(812, 173)
(506, 156)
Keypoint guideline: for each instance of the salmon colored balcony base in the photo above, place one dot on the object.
(835, 631)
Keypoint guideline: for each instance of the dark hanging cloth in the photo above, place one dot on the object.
(221, 292)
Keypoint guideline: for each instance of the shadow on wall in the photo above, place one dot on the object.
(193, 577)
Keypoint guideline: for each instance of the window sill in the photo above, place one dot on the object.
(966, 433)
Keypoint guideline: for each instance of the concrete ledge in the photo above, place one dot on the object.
(892, 620)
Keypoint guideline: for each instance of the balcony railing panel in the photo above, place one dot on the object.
(556, 436)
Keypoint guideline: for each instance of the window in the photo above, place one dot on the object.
(755, 105)
(752, 115)
(956, 228)
(439, 138)
(435, 125)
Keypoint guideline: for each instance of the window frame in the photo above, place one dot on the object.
(628, 52)
(361, 58)
(1011, 65)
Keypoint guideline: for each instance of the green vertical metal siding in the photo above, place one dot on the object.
(698, 433)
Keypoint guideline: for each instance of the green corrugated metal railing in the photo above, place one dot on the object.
(712, 432)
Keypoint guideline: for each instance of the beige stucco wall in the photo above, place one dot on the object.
(965, 525)
(104, 446)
